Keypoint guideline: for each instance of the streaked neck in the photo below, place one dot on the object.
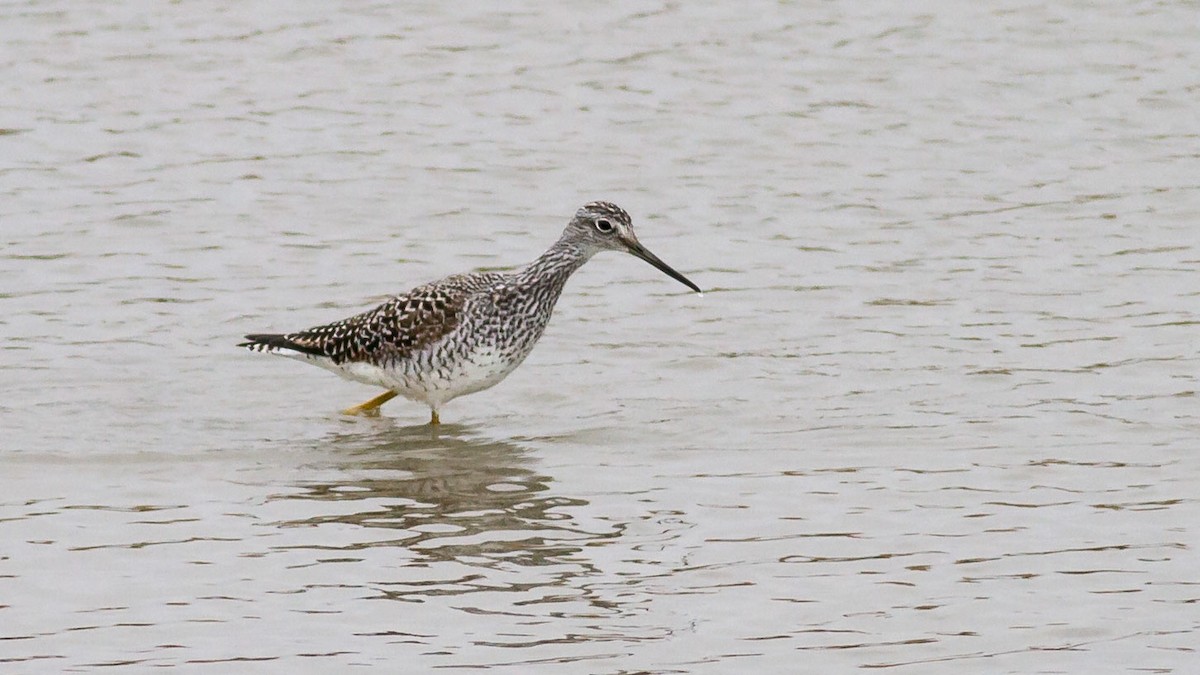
(556, 265)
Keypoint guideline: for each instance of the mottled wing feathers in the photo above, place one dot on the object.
(394, 330)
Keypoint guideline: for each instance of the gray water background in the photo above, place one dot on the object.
(936, 413)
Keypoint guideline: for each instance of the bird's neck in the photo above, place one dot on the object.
(554, 266)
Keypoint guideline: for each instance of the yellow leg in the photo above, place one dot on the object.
(434, 420)
(372, 405)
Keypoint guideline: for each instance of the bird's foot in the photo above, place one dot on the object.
(371, 407)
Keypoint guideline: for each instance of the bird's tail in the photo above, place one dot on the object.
(277, 343)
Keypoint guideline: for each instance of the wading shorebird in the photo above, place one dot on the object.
(466, 332)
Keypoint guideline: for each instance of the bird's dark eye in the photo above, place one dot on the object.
(603, 225)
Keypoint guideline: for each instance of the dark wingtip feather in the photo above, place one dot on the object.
(265, 342)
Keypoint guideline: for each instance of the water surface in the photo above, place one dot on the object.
(935, 413)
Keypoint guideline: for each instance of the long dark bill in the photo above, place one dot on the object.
(641, 252)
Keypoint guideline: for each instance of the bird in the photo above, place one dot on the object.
(464, 333)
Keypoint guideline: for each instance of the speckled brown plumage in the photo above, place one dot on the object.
(392, 331)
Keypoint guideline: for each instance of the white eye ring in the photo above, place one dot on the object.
(603, 225)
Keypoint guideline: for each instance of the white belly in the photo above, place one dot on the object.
(417, 380)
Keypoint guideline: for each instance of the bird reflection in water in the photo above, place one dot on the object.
(453, 499)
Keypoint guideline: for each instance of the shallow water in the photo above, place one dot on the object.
(937, 410)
